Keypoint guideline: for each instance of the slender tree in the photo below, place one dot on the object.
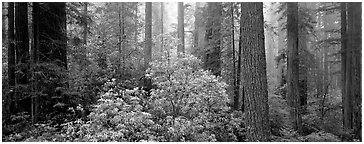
(343, 58)
(148, 35)
(162, 27)
(85, 29)
(254, 76)
(181, 31)
(293, 66)
(196, 25)
(11, 58)
(235, 85)
(34, 61)
(11, 49)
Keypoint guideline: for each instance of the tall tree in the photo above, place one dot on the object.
(35, 60)
(235, 84)
(22, 40)
(195, 32)
(254, 75)
(213, 38)
(11, 58)
(352, 71)
(148, 35)
(162, 27)
(181, 29)
(293, 66)
(343, 59)
(11, 45)
(85, 29)
(121, 40)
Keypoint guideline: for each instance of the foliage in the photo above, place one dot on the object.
(134, 115)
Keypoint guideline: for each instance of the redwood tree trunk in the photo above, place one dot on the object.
(352, 97)
(181, 29)
(11, 58)
(254, 75)
(148, 35)
(213, 38)
(236, 105)
(293, 66)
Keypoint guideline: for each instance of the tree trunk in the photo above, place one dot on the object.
(148, 35)
(239, 85)
(343, 59)
(352, 86)
(121, 37)
(35, 60)
(181, 29)
(162, 28)
(293, 66)
(254, 74)
(213, 38)
(236, 105)
(11, 57)
(22, 40)
(85, 29)
(197, 23)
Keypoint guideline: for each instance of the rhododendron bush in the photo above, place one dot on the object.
(189, 104)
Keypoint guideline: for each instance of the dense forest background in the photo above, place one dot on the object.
(174, 71)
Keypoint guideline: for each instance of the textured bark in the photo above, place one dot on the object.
(11, 60)
(254, 74)
(293, 66)
(343, 61)
(22, 40)
(35, 60)
(236, 105)
(121, 38)
(181, 29)
(352, 97)
(148, 35)
(240, 86)
(281, 47)
(213, 38)
(11, 45)
(52, 33)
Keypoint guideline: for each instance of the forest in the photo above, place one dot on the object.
(181, 72)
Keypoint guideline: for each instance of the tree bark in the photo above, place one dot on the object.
(197, 23)
(254, 75)
(148, 35)
(352, 97)
(35, 60)
(236, 105)
(181, 29)
(213, 38)
(11, 59)
(293, 67)
(343, 60)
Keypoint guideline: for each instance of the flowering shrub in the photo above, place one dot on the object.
(190, 104)
(185, 89)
